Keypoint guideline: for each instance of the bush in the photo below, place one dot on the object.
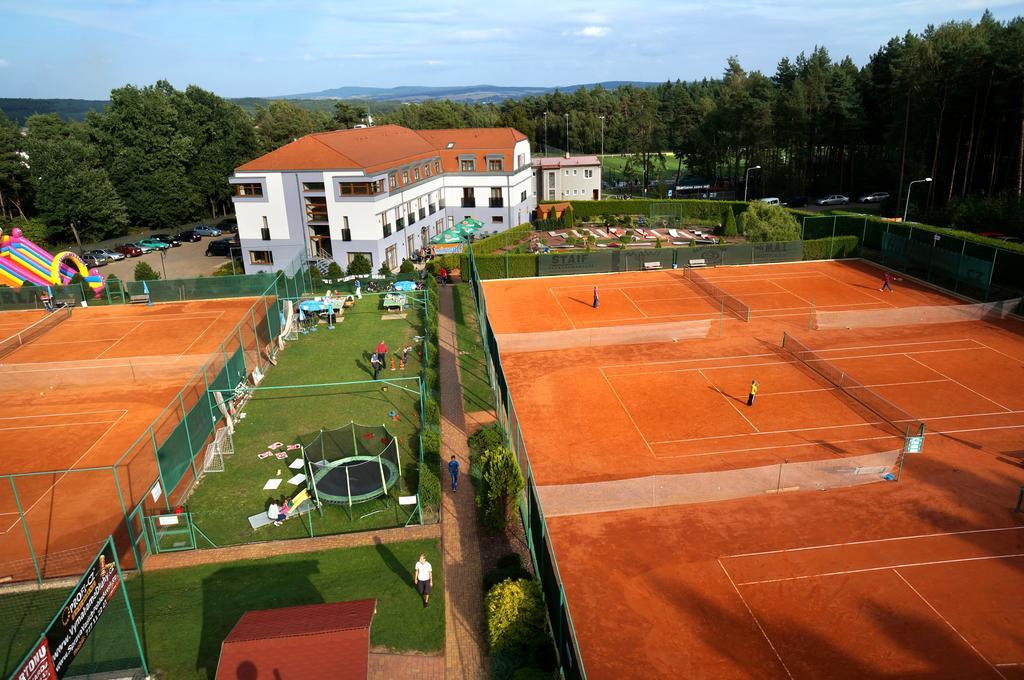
(503, 266)
(143, 272)
(728, 222)
(502, 482)
(430, 483)
(431, 411)
(703, 209)
(515, 616)
(486, 438)
(762, 223)
(431, 441)
(407, 267)
(822, 248)
(359, 266)
(334, 271)
(385, 269)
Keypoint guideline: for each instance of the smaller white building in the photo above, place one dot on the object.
(570, 178)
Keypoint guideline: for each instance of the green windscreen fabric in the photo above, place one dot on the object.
(203, 288)
(175, 457)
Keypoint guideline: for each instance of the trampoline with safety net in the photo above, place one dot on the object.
(352, 464)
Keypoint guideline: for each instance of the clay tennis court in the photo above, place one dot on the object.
(78, 397)
(920, 577)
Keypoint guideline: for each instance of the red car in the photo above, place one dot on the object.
(129, 249)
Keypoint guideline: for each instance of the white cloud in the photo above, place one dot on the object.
(260, 60)
(4, 63)
(433, 62)
(594, 31)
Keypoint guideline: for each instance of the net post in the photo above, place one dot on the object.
(24, 526)
(810, 315)
(721, 318)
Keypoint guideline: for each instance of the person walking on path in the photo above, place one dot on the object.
(442, 276)
(453, 471)
(375, 363)
(597, 303)
(753, 392)
(423, 578)
(887, 279)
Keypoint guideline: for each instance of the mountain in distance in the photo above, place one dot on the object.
(461, 93)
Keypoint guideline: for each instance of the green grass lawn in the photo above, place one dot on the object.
(185, 614)
(476, 391)
(223, 501)
(613, 167)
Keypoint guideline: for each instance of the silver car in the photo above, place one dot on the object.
(834, 199)
(876, 197)
(111, 255)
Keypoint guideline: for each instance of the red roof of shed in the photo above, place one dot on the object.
(310, 641)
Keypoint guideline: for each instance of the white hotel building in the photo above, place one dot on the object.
(379, 191)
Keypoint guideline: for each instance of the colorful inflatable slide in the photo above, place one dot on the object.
(23, 262)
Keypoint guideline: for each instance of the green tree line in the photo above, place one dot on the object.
(947, 103)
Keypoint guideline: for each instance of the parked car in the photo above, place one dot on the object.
(771, 200)
(91, 260)
(144, 247)
(172, 241)
(129, 250)
(221, 247)
(795, 202)
(1010, 239)
(991, 234)
(228, 226)
(834, 199)
(207, 230)
(189, 236)
(876, 197)
(111, 255)
(154, 244)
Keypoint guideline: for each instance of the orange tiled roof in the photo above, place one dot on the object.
(381, 148)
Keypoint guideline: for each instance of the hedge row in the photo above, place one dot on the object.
(486, 246)
(503, 266)
(430, 437)
(705, 210)
(831, 248)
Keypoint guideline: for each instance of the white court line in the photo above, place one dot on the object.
(114, 344)
(777, 447)
(951, 626)
(562, 307)
(728, 399)
(68, 470)
(895, 344)
(756, 622)
(998, 351)
(52, 425)
(683, 361)
(954, 380)
(789, 292)
(210, 325)
(138, 319)
(885, 568)
(53, 415)
(628, 414)
(889, 539)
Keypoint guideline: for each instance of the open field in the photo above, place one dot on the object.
(699, 579)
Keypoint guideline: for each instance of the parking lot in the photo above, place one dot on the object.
(186, 261)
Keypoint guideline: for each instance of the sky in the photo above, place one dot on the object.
(84, 48)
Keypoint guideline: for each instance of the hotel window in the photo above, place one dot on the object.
(392, 181)
(466, 165)
(437, 167)
(405, 177)
(426, 171)
(497, 219)
(416, 174)
(261, 257)
(494, 164)
(522, 197)
(575, 172)
(346, 233)
(520, 160)
(312, 186)
(588, 174)
(387, 230)
(254, 190)
(566, 172)
(316, 209)
(359, 188)
(265, 230)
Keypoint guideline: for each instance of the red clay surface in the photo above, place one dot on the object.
(921, 578)
(78, 397)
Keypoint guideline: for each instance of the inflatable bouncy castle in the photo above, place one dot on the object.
(23, 262)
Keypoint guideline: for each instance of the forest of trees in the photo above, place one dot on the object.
(947, 103)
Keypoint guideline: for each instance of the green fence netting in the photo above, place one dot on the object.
(203, 288)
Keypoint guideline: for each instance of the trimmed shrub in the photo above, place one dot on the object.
(822, 248)
(515, 616)
(407, 267)
(385, 269)
(430, 483)
(502, 482)
(762, 223)
(431, 411)
(728, 222)
(359, 266)
(588, 210)
(486, 438)
(503, 266)
(143, 272)
(431, 441)
(334, 271)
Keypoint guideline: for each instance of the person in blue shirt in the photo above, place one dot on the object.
(453, 470)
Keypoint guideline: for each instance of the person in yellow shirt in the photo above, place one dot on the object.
(753, 392)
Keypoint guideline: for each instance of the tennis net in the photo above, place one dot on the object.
(717, 294)
(909, 316)
(904, 423)
(34, 331)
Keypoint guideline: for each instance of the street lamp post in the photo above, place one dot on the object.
(602, 138)
(163, 256)
(545, 133)
(909, 187)
(746, 180)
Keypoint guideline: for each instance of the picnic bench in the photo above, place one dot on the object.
(394, 302)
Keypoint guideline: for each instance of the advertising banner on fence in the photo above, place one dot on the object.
(82, 610)
(38, 665)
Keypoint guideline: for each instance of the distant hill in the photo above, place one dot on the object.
(76, 109)
(464, 93)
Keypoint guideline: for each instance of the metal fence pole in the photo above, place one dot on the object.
(24, 525)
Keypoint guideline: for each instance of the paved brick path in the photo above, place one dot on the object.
(465, 655)
(405, 667)
(250, 551)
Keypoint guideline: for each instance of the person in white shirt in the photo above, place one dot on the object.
(274, 510)
(423, 578)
